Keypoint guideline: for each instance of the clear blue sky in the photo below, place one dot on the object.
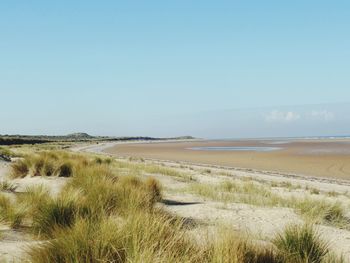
(140, 67)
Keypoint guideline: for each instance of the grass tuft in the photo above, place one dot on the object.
(232, 247)
(301, 244)
(107, 212)
(7, 186)
(48, 168)
(54, 214)
(86, 241)
(11, 214)
(20, 168)
(65, 170)
(154, 189)
(323, 212)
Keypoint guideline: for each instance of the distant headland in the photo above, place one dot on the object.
(76, 137)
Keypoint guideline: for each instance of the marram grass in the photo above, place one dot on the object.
(107, 213)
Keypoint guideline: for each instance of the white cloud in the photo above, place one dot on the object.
(322, 115)
(281, 116)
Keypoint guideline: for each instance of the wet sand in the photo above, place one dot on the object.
(321, 158)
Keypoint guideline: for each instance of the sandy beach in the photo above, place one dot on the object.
(261, 222)
(210, 197)
(320, 158)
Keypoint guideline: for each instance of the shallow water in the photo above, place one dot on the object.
(235, 149)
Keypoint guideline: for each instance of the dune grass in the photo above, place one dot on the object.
(229, 247)
(237, 191)
(20, 168)
(103, 217)
(10, 212)
(85, 242)
(301, 244)
(6, 154)
(7, 186)
(107, 213)
(54, 213)
(6, 151)
(316, 210)
(154, 169)
(323, 212)
(52, 163)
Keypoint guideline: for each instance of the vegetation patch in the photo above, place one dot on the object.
(6, 154)
(154, 169)
(316, 210)
(301, 244)
(7, 186)
(107, 213)
(20, 168)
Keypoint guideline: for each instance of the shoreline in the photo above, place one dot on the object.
(314, 159)
(265, 175)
